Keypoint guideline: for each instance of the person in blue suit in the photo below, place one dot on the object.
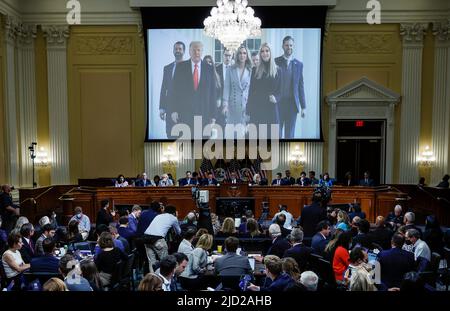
(321, 238)
(133, 218)
(209, 181)
(167, 86)
(394, 263)
(143, 181)
(326, 180)
(188, 180)
(278, 181)
(47, 263)
(367, 181)
(274, 271)
(292, 88)
(147, 217)
(123, 229)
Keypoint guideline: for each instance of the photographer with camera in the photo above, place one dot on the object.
(314, 213)
(9, 211)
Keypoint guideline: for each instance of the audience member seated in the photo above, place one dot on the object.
(144, 181)
(27, 250)
(48, 232)
(73, 234)
(340, 255)
(444, 183)
(155, 243)
(182, 262)
(232, 263)
(120, 182)
(47, 263)
(355, 210)
(19, 223)
(309, 280)
(395, 262)
(289, 219)
(192, 277)
(321, 238)
(215, 223)
(303, 180)
(151, 283)
(312, 215)
(358, 276)
(190, 222)
(84, 224)
(228, 228)
(12, 260)
(278, 181)
(395, 218)
(54, 285)
(165, 181)
(363, 238)
(209, 180)
(147, 217)
(412, 282)
(290, 267)
(104, 215)
(343, 222)
(116, 237)
(117, 243)
(367, 181)
(123, 230)
(38, 230)
(381, 235)
(433, 234)
(281, 220)
(279, 244)
(90, 273)
(326, 180)
(108, 258)
(300, 252)
(274, 271)
(197, 236)
(409, 220)
(186, 246)
(68, 266)
(252, 228)
(167, 269)
(188, 180)
(419, 248)
(288, 180)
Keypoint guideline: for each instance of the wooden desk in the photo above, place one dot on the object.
(373, 200)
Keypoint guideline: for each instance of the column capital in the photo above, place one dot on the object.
(11, 26)
(26, 34)
(56, 35)
(441, 30)
(413, 33)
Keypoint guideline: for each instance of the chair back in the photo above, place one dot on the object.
(435, 260)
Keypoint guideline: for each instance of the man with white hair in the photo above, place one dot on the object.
(409, 220)
(395, 218)
(165, 181)
(279, 244)
(300, 252)
(190, 222)
(310, 280)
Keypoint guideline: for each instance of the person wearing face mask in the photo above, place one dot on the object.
(414, 244)
(84, 224)
(264, 93)
(358, 276)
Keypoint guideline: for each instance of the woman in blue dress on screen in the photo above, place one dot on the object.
(236, 87)
(264, 93)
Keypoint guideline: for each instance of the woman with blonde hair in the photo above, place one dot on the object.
(265, 91)
(253, 229)
(54, 285)
(291, 268)
(151, 283)
(236, 88)
(192, 277)
(228, 228)
(343, 221)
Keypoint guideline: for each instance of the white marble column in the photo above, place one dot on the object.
(411, 101)
(152, 158)
(314, 157)
(12, 135)
(186, 161)
(441, 105)
(27, 99)
(57, 102)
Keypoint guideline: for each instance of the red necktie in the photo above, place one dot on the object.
(196, 77)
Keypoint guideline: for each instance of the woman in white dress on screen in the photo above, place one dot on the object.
(235, 93)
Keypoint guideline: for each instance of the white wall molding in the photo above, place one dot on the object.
(412, 35)
(152, 158)
(441, 107)
(314, 157)
(186, 161)
(57, 37)
(363, 99)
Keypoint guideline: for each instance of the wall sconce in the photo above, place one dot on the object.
(42, 158)
(426, 158)
(169, 156)
(296, 157)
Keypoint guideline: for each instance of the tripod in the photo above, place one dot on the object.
(32, 149)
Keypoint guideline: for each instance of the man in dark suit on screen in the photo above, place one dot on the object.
(166, 87)
(292, 88)
(194, 90)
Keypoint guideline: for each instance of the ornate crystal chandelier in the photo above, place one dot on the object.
(232, 22)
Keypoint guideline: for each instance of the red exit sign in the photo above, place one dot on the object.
(359, 123)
